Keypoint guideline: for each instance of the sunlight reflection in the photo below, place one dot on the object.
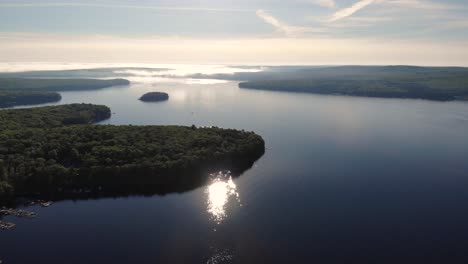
(179, 96)
(203, 81)
(179, 70)
(219, 192)
(223, 256)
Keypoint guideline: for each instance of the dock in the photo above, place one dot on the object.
(17, 213)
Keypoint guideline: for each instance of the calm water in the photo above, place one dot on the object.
(343, 180)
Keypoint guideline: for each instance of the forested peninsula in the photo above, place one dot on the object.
(30, 91)
(50, 150)
(10, 99)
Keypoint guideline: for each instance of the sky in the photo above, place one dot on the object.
(267, 32)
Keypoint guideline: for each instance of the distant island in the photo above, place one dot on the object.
(154, 97)
(40, 84)
(10, 99)
(52, 150)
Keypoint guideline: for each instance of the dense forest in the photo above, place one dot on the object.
(154, 97)
(41, 152)
(10, 99)
(433, 83)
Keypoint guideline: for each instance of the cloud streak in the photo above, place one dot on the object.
(349, 11)
(413, 4)
(281, 27)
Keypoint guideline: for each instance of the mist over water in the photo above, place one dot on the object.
(142, 69)
(134, 72)
(342, 178)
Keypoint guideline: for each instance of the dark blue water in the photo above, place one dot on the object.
(343, 180)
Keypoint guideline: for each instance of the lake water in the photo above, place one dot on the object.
(343, 180)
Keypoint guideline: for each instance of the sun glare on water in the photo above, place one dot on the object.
(219, 193)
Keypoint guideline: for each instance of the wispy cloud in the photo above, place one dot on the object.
(281, 27)
(412, 4)
(325, 3)
(346, 12)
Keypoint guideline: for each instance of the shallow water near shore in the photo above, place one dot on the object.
(343, 179)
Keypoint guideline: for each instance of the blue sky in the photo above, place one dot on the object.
(380, 26)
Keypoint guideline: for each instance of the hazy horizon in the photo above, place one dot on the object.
(299, 32)
(173, 69)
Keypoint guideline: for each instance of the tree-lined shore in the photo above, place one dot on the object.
(54, 148)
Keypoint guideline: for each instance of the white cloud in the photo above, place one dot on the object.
(281, 27)
(325, 3)
(346, 12)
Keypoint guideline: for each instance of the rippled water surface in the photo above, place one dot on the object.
(343, 180)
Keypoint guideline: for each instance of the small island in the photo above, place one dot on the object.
(154, 97)
(54, 151)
